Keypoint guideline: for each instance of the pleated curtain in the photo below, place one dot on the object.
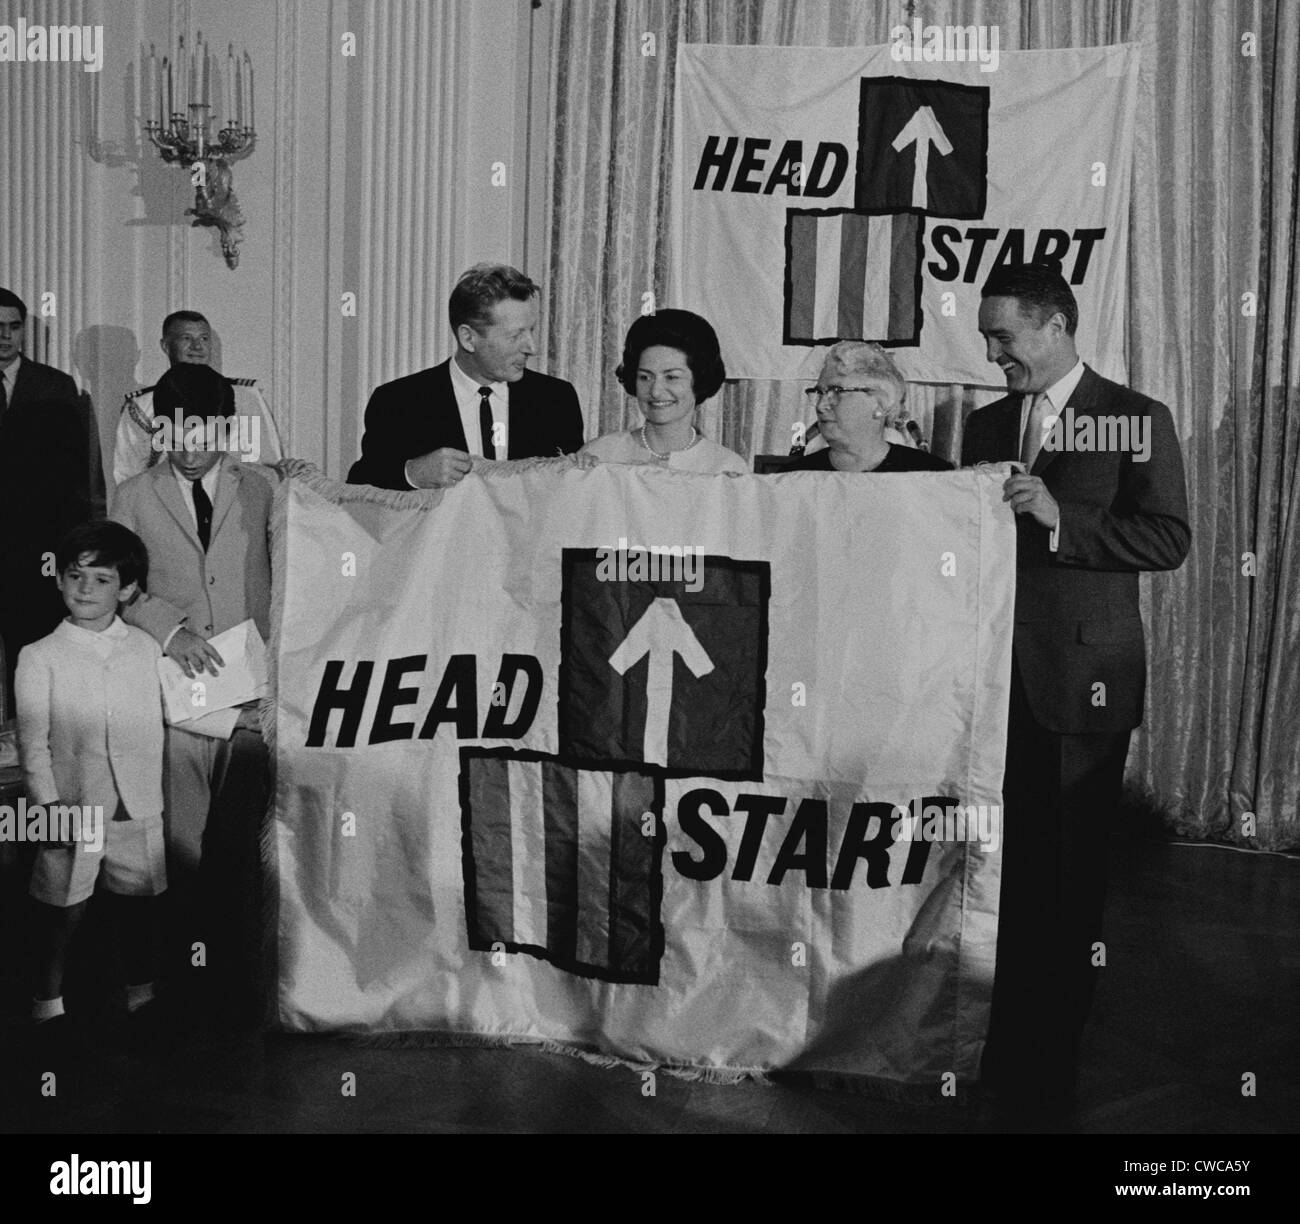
(1213, 334)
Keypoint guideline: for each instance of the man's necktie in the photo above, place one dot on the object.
(202, 512)
(485, 422)
(1032, 442)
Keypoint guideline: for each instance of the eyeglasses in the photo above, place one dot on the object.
(832, 394)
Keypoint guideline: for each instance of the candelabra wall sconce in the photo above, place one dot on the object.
(182, 132)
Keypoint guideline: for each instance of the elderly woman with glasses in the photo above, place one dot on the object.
(859, 390)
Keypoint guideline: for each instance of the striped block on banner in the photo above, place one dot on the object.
(561, 863)
(851, 276)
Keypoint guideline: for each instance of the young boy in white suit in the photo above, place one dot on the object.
(90, 734)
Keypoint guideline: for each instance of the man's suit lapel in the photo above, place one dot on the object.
(232, 473)
(169, 493)
(1083, 401)
(1009, 428)
(22, 384)
(517, 416)
(443, 396)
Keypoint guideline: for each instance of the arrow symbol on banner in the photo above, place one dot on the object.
(661, 632)
(924, 129)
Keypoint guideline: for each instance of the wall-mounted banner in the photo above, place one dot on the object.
(827, 193)
(695, 770)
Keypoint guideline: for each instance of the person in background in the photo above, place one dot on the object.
(671, 364)
(44, 487)
(187, 340)
(859, 390)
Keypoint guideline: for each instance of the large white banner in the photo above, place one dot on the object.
(731, 805)
(826, 193)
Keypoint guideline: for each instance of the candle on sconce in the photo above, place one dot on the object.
(171, 109)
(249, 62)
(148, 99)
(182, 74)
(230, 83)
(239, 94)
(207, 75)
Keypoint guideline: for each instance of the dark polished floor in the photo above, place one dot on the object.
(1200, 990)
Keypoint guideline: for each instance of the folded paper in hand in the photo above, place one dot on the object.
(242, 679)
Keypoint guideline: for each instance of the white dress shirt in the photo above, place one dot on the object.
(467, 400)
(11, 379)
(1058, 395)
(209, 482)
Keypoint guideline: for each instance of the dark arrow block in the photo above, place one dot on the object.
(956, 183)
(661, 676)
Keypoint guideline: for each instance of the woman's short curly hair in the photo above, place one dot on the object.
(678, 329)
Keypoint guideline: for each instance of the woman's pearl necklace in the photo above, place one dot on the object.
(695, 437)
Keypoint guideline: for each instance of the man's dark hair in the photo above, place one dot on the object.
(197, 390)
(105, 543)
(481, 288)
(181, 316)
(9, 298)
(679, 329)
(1039, 288)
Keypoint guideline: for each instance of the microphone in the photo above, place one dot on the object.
(914, 432)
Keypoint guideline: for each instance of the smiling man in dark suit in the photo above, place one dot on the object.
(423, 431)
(44, 485)
(1101, 500)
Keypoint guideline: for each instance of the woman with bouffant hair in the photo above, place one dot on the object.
(671, 363)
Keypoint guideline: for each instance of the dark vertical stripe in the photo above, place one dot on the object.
(904, 274)
(853, 274)
(803, 275)
(560, 817)
(632, 858)
(489, 817)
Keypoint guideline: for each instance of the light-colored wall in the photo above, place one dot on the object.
(372, 174)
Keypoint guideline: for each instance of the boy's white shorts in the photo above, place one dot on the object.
(131, 858)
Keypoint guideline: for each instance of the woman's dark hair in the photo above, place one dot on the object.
(678, 329)
(197, 389)
(107, 544)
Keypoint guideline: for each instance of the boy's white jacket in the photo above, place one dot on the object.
(90, 727)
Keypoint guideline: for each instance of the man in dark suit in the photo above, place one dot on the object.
(1101, 499)
(423, 431)
(44, 485)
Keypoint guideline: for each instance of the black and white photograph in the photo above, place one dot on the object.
(649, 567)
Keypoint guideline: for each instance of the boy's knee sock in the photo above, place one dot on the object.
(47, 1009)
(137, 996)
